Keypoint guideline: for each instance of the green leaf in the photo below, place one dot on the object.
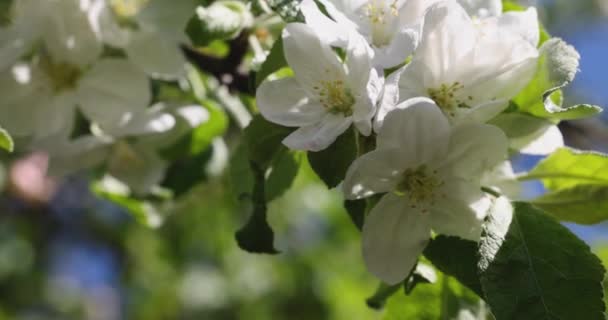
(284, 169)
(274, 61)
(511, 6)
(557, 66)
(142, 211)
(582, 204)
(332, 163)
(240, 175)
(257, 235)
(187, 172)
(262, 144)
(457, 258)
(264, 140)
(447, 299)
(566, 168)
(533, 268)
(356, 211)
(421, 274)
(6, 141)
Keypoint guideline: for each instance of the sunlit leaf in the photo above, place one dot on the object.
(532, 267)
(557, 66)
(567, 168)
(582, 204)
(6, 141)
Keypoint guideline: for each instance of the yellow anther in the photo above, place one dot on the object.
(446, 98)
(419, 185)
(335, 97)
(63, 76)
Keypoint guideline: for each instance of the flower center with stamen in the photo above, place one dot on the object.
(445, 97)
(380, 14)
(336, 97)
(126, 10)
(63, 76)
(419, 185)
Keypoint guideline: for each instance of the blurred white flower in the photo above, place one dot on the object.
(41, 98)
(129, 151)
(62, 26)
(326, 95)
(431, 173)
(149, 31)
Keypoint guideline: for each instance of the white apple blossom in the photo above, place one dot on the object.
(149, 31)
(387, 25)
(130, 151)
(41, 98)
(470, 69)
(62, 26)
(326, 95)
(430, 172)
(502, 179)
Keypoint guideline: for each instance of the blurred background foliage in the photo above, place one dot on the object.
(68, 253)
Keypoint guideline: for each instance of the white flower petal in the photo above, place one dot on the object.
(111, 90)
(365, 103)
(299, 41)
(318, 136)
(22, 91)
(137, 165)
(69, 156)
(105, 26)
(482, 113)
(359, 64)
(523, 23)
(500, 67)
(14, 42)
(284, 102)
(402, 46)
(482, 8)
(503, 180)
(158, 56)
(448, 35)
(461, 209)
(394, 235)
(55, 115)
(418, 129)
(148, 121)
(68, 34)
(542, 142)
(474, 149)
(328, 30)
(193, 115)
(389, 98)
(413, 11)
(375, 172)
(411, 80)
(167, 17)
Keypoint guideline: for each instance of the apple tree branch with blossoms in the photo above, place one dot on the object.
(410, 108)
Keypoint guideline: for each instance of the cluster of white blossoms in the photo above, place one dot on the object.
(424, 77)
(65, 60)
